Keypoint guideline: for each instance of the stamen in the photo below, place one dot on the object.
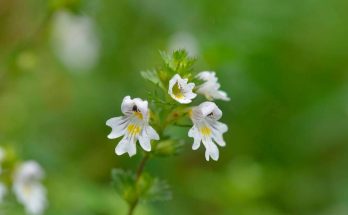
(206, 131)
(139, 115)
(133, 129)
(177, 91)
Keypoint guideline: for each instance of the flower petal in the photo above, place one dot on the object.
(145, 142)
(36, 203)
(222, 127)
(223, 96)
(194, 133)
(118, 125)
(142, 106)
(126, 145)
(211, 150)
(219, 139)
(127, 105)
(210, 87)
(151, 133)
(210, 109)
(191, 95)
(180, 90)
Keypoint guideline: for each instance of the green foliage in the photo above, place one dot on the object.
(153, 189)
(151, 75)
(178, 62)
(145, 188)
(124, 184)
(283, 62)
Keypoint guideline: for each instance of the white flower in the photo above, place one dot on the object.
(133, 126)
(210, 87)
(180, 90)
(207, 129)
(75, 41)
(3, 192)
(28, 188)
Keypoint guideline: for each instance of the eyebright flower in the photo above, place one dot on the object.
(207, 129)
(133, 126)
(28, 188)
(75, 41)
(210, 87)
(180, 90)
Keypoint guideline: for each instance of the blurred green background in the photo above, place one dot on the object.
(283, 63)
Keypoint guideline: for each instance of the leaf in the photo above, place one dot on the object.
(124, 184)
(153, 189)
(178, 62)
(151, 75)
(146, 188)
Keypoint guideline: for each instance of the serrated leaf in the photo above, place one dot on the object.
(150, 75)
(124, 184)
(153, 189)
(178, 62)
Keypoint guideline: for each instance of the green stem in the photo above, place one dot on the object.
(140, 170)
(146, 157)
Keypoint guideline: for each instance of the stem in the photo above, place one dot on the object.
(142, 165)
(146, 157)
(140, 170)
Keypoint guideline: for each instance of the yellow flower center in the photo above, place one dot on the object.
(133, 129)
(206, 131)
(177, 91)
(190, 112)
(27, 189)
(139, 115)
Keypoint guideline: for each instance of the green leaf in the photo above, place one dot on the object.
(146, 188)
(153, 189)
(151, 75)
(124, 184)
(178, 62)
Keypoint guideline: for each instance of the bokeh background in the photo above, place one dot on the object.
(65, 66)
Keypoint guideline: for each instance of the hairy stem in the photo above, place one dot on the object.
(140, 170)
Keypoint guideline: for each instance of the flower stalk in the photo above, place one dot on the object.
(140, 170)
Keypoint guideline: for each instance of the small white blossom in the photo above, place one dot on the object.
(75, 41)
(207, 129)
(180, 90)
(3, 192)
(28, 188)
(133, 126)
(210, 87)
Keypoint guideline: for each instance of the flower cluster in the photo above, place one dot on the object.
(26, 186)
(177, 81)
